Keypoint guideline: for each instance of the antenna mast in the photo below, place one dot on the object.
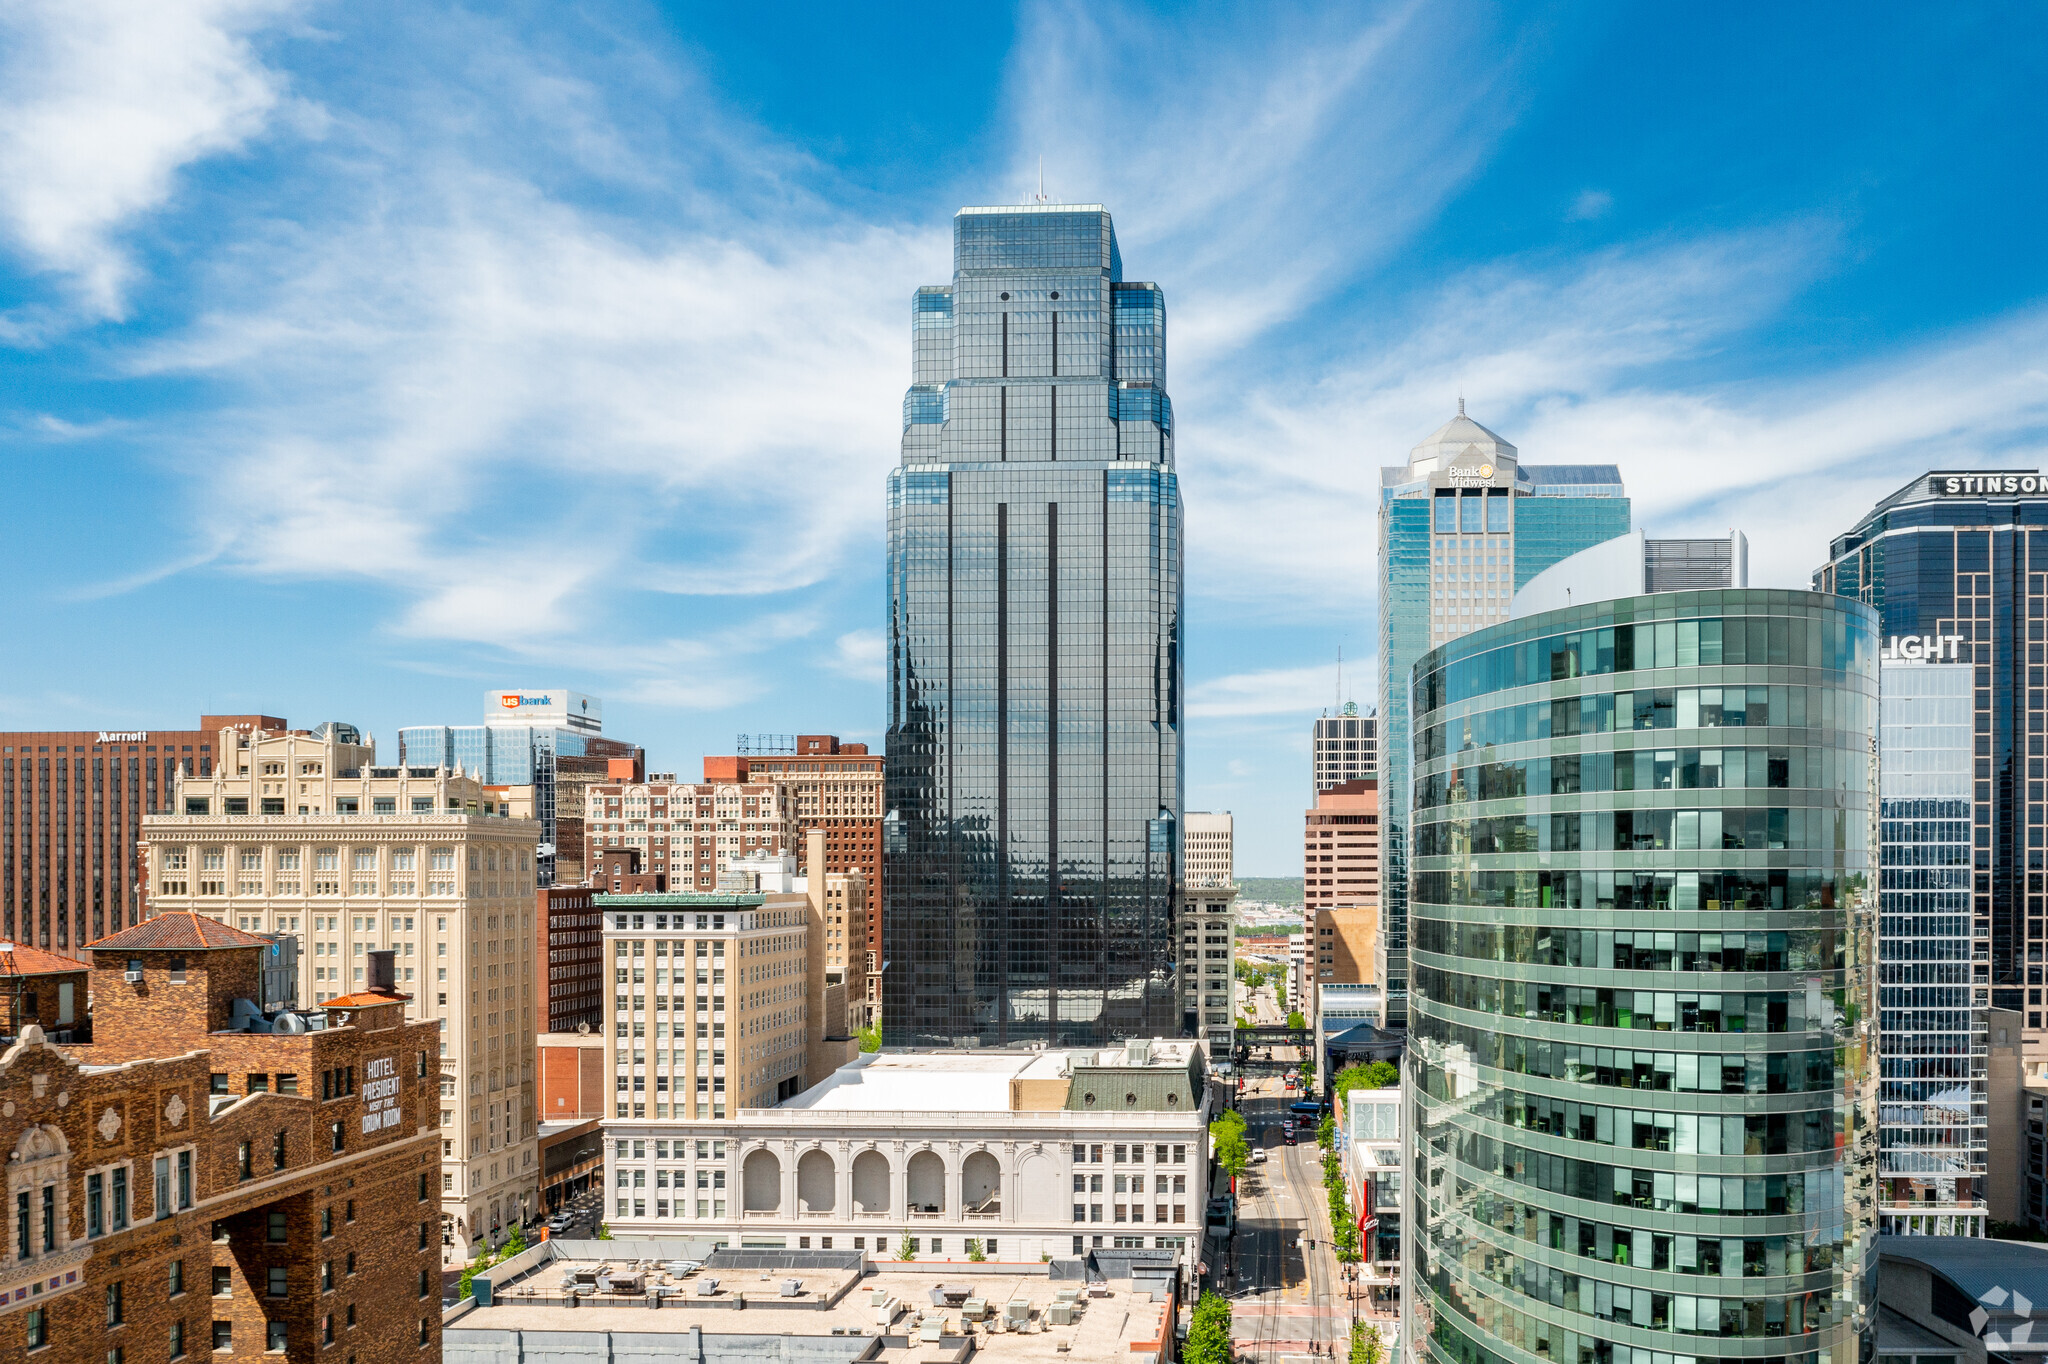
(1041, 179)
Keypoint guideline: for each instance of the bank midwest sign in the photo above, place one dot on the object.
(1922, 649)
(1987, 484)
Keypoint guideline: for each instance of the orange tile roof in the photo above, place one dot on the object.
(365, 999)
(19, 959)
(182, 930)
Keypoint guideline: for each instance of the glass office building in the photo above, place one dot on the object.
(1642, 1047)
(1933, 1105)
(1955, 564)
(1462, 526)
(1033, 797)
(501, 755)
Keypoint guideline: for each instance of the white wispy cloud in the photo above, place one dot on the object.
(507, 405)
(102, 103)
(1272, 691)
(859, 654)
(1588, 205)
(1256, 159)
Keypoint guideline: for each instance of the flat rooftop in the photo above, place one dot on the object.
(1117, 1326)
(963, 1081)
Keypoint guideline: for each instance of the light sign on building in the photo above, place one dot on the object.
(1922, 649)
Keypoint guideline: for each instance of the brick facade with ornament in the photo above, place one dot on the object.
(210, 1179)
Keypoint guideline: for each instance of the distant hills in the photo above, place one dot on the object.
(1278, 890)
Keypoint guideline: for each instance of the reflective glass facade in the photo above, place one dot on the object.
(1969, 568)
(1642, 1035)
(1462, 526)
(1033, 778)
(1931, 1094)
(1948, 559)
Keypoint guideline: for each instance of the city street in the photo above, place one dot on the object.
(1278, 1270)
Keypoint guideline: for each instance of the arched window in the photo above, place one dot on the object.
(38, 1185)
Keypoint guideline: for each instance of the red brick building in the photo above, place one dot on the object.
(617, 872)
(572, 1076)
(71, 808)
(207, 1180)
(44, 989)
(571, 932)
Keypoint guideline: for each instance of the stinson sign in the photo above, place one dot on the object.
(1987, 484)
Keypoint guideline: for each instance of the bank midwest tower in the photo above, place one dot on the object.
(1033, 777)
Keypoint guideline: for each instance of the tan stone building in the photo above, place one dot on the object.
(301, 834)
(1208, 961)
(688, 831)
(724, 1000)
(836, 787)
(1208, 848)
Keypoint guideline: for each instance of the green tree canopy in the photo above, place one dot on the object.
(1377, 1075)
(1227, 1141)
(1209, 1332)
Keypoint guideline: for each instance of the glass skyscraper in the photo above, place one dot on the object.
(1933, 1104)
(1462, 525)
(1033, 779)
(1643, 1039)
(1954, 564)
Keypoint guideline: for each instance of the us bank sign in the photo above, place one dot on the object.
(1922, 649)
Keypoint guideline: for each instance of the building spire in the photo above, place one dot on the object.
(1461, 404)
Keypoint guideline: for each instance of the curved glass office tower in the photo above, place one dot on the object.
(1031, 835)
(1643, 1038)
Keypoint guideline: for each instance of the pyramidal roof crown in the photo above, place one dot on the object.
(1456, 436)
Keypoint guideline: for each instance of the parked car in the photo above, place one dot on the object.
(1258, 1155)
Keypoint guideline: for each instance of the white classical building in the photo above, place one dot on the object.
(933, 1156)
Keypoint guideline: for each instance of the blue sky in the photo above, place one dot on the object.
(355, 359)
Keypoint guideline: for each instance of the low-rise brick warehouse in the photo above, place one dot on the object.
(211, 1179)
